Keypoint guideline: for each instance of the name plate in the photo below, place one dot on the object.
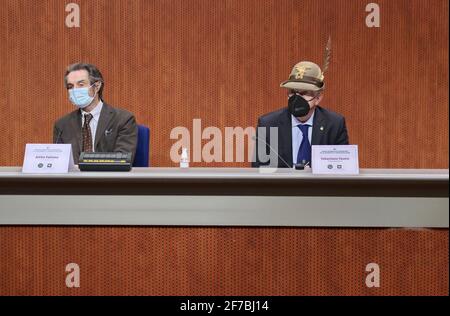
(337, 159)
(48, 158)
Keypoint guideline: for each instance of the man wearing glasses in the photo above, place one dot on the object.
(93, 125)
(301, 124)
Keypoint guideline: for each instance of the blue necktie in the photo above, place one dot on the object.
(304, 152)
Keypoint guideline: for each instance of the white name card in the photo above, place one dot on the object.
(48, 158)
(337, 159)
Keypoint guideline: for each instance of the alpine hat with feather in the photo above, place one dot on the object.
(307, 76)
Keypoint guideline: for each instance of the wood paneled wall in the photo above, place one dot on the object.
(170, 61)
(222, 261)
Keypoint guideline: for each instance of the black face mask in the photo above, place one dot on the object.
(298, 106)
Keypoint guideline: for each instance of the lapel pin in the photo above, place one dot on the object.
(321, 128)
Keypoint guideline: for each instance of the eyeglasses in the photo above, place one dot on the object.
(307, 95)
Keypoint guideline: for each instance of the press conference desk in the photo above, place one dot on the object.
(225, 231)
(244, 197)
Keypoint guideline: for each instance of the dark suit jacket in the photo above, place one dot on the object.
(328, 129)
(116, 131)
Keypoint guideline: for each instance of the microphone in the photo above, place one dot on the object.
(302, 165)
(267, 144)
(59, 137)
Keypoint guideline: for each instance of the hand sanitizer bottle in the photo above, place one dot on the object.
(184, 161)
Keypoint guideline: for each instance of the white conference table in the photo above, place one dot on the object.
(227, 197)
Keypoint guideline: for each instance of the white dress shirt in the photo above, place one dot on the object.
(297, 135)
(94, 121)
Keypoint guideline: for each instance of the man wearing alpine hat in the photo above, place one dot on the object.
(303, 122)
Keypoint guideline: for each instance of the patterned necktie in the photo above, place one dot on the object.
(304, 152)
(86, 133)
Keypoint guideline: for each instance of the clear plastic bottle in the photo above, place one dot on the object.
(184, 161)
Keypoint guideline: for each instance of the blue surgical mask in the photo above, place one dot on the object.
(80, 97)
